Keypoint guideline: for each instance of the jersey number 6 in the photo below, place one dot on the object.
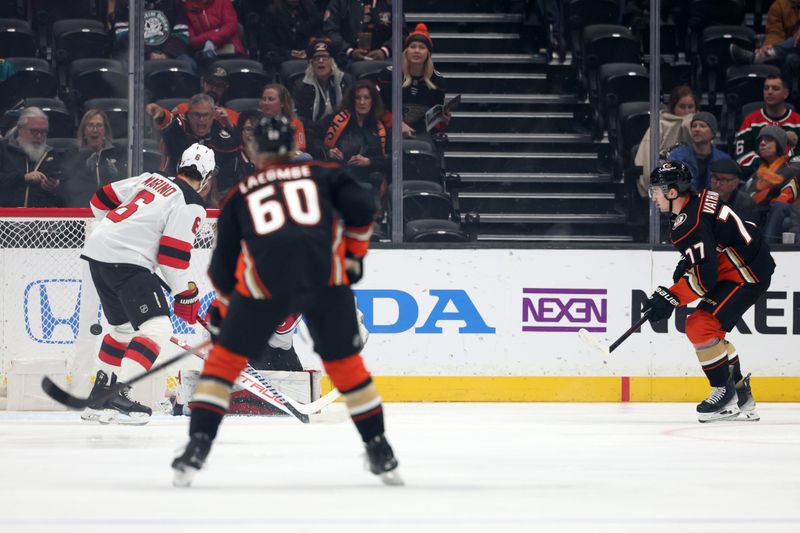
(124, 211)
(269, 214)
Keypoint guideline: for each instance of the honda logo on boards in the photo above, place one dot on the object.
(51, 310)
(564, 310)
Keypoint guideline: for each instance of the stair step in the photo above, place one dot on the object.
(470, 18)
(553, 238)
(534, 177)
(539, 195)
(496, 82)
(550, 161)
(439, 59)
(476, 43)
(506, 121)
(518, 98)
(484, 137)
(549, 218)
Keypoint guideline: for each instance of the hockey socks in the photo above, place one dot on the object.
(714, 359)
(363, 401)
(111, 354)
(733, 362)
(209, 404)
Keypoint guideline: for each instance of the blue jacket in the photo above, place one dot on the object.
(685, 153)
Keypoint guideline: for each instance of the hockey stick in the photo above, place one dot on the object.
(256, 384)
(589, 339)
(73, 402)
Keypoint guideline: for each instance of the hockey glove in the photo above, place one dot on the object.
(187, 304)
(661, 305)
(214, 317)
(354, 267)
(683, 266)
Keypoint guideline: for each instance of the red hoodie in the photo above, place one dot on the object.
(214, 21)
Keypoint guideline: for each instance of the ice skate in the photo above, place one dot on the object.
(381, 461)
(746, 402)
(721, 404)
(92, 413)
(186, 465)
(121, 409)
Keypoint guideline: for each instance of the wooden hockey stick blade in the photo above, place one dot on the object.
(590, 340)
(73, 402)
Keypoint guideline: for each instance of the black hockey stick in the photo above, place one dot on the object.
(589, 339)
(73, 402)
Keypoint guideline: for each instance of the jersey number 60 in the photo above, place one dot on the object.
(269, 214)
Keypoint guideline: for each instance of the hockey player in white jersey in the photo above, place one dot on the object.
(147, 222)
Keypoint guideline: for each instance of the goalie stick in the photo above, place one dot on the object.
(73, 402)
(589, 339)
(256, 384)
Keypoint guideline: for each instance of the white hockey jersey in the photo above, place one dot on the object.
(149, 221)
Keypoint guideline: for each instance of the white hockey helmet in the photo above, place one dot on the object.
(202, 158)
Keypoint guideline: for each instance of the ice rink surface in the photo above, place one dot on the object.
(468, 467)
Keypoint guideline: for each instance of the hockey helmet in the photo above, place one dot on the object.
(274, 136)
(202, 158)
(672, 174)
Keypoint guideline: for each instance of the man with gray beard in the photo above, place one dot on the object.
(30, 173)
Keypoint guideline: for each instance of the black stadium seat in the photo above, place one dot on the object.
(151, 155)
(170, 78)
(291, 70)
(633, 119)
(16, 39)
(243, 104)
(62, 123)
(116, 109)
(246, 77)
(744, 84)
(581, 13)
(79, 38)
(433, 230)
(620, 83)
(97, 78)
(606, 43)
(33, 78)
(65, 146)
(425, 200)
(421, 161)
(368, 69)
(715, 55)
(171, 103)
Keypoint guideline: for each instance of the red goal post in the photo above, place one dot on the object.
(48, 302)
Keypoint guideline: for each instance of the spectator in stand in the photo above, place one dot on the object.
(726, 180)
(357, 137)
(248, 121)
(213, 29)
(700, 152)
(94, 165)
(674, 128)
(214, 84)
(288, 26)
(178, 132)
(30, 173)
(774, 113)
(319, 92)
(360, 29)
(166, 31)
(784, 214)
(781, 42)
(772, 168)
(6, 70)
(277, 101)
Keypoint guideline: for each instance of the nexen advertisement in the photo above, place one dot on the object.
(488, 312)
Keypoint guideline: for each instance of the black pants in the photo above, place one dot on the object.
(728, 300)
(128, 293)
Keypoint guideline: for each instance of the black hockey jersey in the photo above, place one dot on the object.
(719, 245)
(288, 227)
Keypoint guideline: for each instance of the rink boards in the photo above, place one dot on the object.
(483, 325)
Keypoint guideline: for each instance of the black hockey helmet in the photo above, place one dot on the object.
(274, 136)
(672, 174)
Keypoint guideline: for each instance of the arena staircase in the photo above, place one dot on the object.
(521, 140)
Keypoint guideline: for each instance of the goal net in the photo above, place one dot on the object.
(48, 301)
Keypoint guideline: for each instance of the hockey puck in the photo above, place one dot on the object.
(96, 329)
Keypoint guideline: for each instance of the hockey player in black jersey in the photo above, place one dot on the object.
(728, 266)
(291, 239)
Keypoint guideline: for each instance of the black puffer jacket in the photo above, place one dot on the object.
(14, 164)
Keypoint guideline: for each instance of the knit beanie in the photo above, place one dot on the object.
(420, 35)
(708, 118)
(777, 133)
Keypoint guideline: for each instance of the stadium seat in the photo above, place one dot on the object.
(633, 119)
(715, 58)
(16, 39)
(291, 70)
(116, 109)
(170, 78)
(243, 104)
(246, 77)
(171, 103)
(620, 83)
(62, 123)
(434, 230)
(33, 78)
(421, 161)
(368, 69)
(581, 13)
(151, 155)
(79, 38)
(425, 200)
(706, 13)
(744, 85)
(63, 145)
(97, 78)
(606, 43)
